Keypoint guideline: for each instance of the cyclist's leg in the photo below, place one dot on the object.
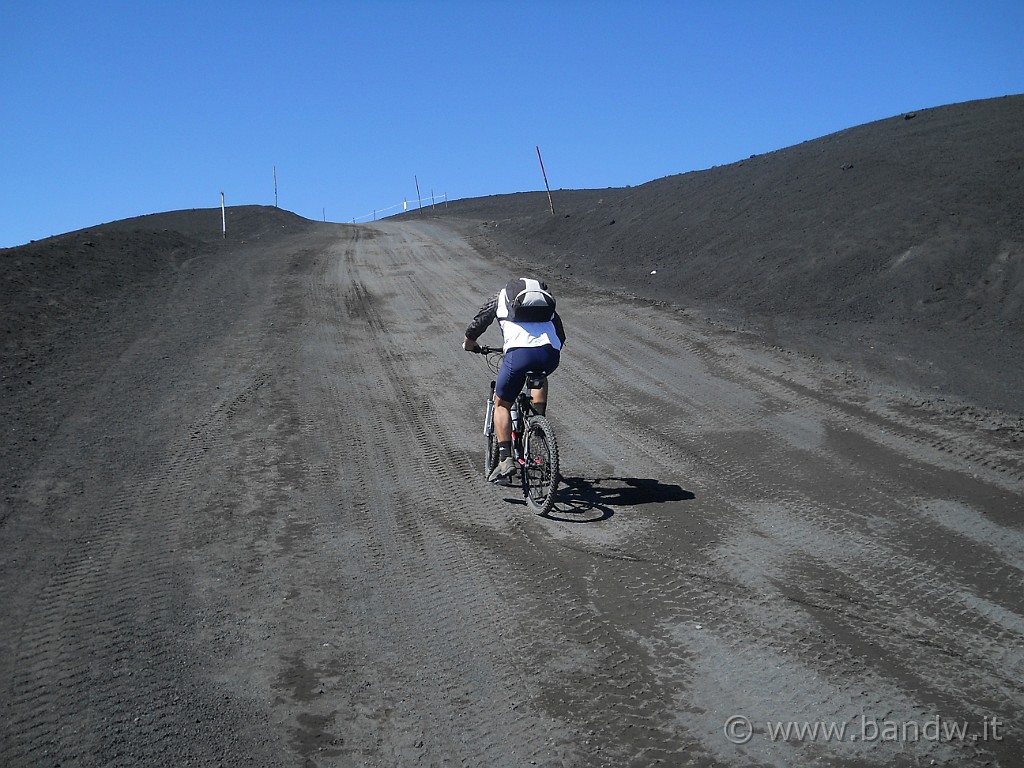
(509, 383)
(505, 465)
(511, 378)
(502, 420)
(539, 397)
(544, 359)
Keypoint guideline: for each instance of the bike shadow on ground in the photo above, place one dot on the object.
(593, 499)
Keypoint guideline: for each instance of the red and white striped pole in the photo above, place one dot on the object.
(545, 175)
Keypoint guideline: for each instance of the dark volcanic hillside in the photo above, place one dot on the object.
(64, 283)
(244, 519)
(898, 244)
(78, 293)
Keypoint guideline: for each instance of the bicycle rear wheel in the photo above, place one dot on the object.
(540, 470)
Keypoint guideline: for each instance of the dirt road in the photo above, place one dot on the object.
(256, 533)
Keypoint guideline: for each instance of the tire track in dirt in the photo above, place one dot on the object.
(106, 668)
(846, 502)
(109, 605)
(312, 570)
(744, 443)
(527, 576)
(589, 663)
(725, 428)
(806, 527)
(428, 588)
(592, 668)
(686, 592)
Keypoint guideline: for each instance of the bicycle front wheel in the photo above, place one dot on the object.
(490, 454)
(540, 468)
(491, 449)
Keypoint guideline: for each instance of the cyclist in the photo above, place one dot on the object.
(532, 336)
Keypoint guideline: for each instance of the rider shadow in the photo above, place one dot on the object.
(591, 500)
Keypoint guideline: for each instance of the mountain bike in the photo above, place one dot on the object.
(533, 440)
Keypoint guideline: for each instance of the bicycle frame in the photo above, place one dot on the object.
(523, 404)
(538, 473)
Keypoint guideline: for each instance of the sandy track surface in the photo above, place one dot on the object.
(258, 534)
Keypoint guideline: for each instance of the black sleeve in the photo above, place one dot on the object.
(483, 318)
(559, 330)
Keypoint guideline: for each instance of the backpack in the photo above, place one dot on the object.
(529, 301)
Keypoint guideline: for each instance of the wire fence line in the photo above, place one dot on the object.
(405, 205)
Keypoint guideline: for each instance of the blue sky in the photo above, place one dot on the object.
(118, 109)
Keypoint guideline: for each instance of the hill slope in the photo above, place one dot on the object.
(898, 244)
(74, 298)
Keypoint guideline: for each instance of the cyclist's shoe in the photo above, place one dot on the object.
(502, 473)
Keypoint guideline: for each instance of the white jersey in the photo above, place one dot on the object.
(516, 334)
(524, 334)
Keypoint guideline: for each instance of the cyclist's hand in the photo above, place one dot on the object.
(470, 345)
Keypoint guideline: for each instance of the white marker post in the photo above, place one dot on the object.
(223, 218)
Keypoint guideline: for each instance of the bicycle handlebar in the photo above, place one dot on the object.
(486, 350)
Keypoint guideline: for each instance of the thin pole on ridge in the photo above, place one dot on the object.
(543, 173)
